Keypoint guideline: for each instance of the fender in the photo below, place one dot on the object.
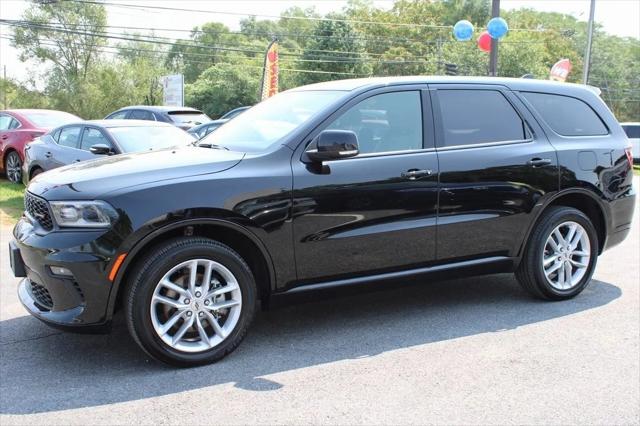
(179, 224)
(549, 201)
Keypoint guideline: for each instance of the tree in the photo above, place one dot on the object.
(223, 87)
(62, 33)
(336, 51)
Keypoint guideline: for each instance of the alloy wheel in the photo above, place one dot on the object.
(566, 256)
(196, 305)
(13, 167)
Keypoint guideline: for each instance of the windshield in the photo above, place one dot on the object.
(266, 123)
(189, 117)
(143, 138)
(50, 119)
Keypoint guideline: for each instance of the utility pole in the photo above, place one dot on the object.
(4, 92)
(587, 53)
(493, 56)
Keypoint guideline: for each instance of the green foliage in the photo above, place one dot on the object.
(223, 87)
(223, 69)
(19, 95)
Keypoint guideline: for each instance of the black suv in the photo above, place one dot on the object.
(331, 184)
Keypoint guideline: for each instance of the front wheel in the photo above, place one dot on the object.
(13, 167)
(560, 256)
(190, 302)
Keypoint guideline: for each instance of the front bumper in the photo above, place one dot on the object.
(76, 302)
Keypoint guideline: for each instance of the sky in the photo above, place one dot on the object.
(619, 17)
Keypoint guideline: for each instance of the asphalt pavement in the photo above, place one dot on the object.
(467, 351)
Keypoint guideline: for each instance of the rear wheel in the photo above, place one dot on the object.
(13, 167)
(191, 301)
(560, 256)
(36, 172)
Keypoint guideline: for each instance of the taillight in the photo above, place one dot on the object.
(629, 156)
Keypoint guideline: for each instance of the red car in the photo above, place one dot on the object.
(18, 127)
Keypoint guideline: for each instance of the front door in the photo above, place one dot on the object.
(375, 212)
(496, 165)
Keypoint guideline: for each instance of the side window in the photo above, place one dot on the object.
(632, 131)
(118, 115)
(91, 137)
(56, 135)
(5, 122)
(14, 124)
(139, 114)
(385, 122)
(567, 116)
(471, 117)
(69, 136)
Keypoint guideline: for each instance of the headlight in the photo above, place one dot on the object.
(83, 214)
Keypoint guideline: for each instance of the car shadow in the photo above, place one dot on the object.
(45, 370)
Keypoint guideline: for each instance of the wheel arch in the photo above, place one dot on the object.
(236, 236)
(582, 200)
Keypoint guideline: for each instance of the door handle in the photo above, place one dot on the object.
(538, 162)
(77, 160)
(413, 174)
(5, 137)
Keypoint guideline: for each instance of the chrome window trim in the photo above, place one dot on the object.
(485, 144)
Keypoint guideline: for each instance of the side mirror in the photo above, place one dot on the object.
(333, 145)
(101, 149)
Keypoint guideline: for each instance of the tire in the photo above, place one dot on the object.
(13, 167)
(535, 277)
(36, 172)
(146, 298)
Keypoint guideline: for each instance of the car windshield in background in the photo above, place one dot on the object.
(266, 123)
(142, 138)
(188, 117)
(50, 119)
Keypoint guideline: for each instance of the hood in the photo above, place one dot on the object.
(91, 178)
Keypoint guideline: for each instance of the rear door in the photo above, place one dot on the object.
(67, 150)
(496, 167)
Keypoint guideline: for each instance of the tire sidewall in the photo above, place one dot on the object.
(151, 273)
(556, 218)
(6, 163)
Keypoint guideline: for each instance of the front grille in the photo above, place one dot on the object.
(38, 209)
(41, 295)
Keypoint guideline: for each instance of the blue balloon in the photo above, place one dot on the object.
(497, 28)
(463, 30)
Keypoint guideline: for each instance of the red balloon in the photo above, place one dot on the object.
(484, 42)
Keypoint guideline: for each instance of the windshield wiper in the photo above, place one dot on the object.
(212, 146)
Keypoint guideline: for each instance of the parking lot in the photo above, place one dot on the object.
(476, 350)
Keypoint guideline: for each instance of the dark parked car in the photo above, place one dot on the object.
(327, 185)
(203, 130)
(89, 139)
(19, 127)
(182, 117)
(234, 112)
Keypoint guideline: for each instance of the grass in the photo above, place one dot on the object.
(11, 203)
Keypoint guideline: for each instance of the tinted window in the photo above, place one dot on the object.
(140, 114)
(5, 121)
(69, 136)
(56, 135)
(188, 117)
(478, 116)
(633, 132)
(386, 122)
(118, 115)
(14, 124)
(92, 137)
(567, 116)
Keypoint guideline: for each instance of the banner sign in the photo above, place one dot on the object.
(270, 72)
(173, 90)
(560, 70)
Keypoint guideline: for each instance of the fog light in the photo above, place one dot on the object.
(59, 270)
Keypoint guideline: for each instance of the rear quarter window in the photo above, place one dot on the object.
(567, 116)
(632, 131)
